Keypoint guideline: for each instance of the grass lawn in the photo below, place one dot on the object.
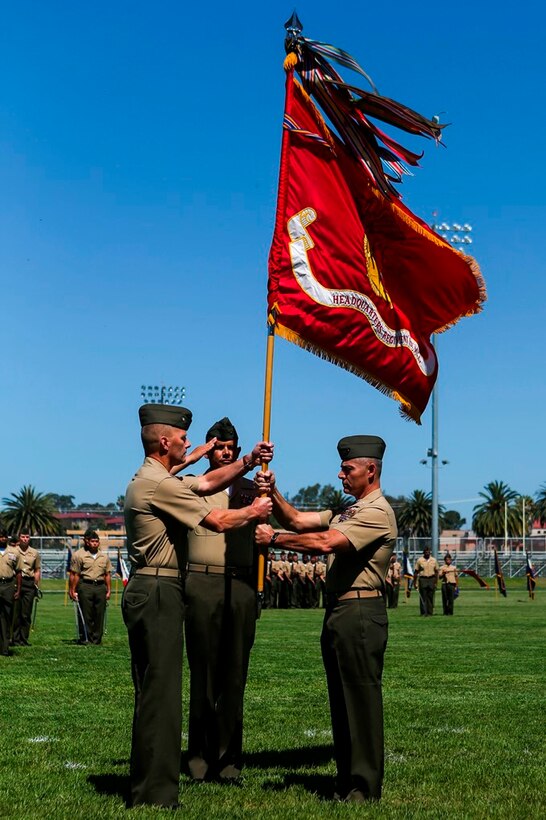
(464, 711)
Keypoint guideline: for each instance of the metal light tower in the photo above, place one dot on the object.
(457, 235)
(166, 394)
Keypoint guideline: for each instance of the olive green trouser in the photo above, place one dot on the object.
(448, 597)
(153, 611)
(23, 611)
(92, 601)
(427, 587)
(393, 593)
(7, 591)
(353, 643)
(220, 630)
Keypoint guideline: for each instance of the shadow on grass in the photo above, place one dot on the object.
(112, 784)
(322, 786)
(289, 758)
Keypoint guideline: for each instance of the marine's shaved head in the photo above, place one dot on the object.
(150, 435)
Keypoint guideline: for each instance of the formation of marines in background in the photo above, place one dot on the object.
(295, 581)
(292, 581)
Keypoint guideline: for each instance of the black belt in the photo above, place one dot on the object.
(89, 581)
(217, 569)
(159, 572)
(7, 580)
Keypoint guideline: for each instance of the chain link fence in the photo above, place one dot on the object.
(467, 553)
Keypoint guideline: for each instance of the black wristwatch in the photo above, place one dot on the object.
(274, 537)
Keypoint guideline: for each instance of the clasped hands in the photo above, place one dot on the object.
(265, 484)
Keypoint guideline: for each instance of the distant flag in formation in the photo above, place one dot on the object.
(354, 276)
(407, 573)
(499, 575)
(121, 569)
(68, 562)
(474, 574)
(67, 573)
(531, 576)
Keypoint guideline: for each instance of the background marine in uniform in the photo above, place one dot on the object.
(426, 578)
(30, 582)
(449, 577)
(11, 567)
(394, 576)
(90, 574)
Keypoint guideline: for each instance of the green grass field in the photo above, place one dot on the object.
(464, 711)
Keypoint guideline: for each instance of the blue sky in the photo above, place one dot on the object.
(139, 150)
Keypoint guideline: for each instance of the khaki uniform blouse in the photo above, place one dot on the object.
(31, 561)
(234, 548)
(370, 525)
(91, 566)
(449, 572)
(159, 510)
(10, 563)
(427, 567)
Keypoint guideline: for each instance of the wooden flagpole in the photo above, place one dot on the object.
(266, 431)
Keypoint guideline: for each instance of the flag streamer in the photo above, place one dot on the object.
(348, 108)
(474, 574)
(530, 572)
(499, 575)
(407, 574)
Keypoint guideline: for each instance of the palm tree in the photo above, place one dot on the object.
(30, 510)
(489, 517)
(416, 514)
(540, 506)
(336, 501)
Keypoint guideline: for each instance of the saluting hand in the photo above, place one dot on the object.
(196, 454)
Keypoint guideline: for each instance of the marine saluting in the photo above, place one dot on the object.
(159, 510)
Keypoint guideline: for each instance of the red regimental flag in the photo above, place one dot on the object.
(354, 276)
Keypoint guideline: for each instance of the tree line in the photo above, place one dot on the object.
(38, 512)
(501, 507)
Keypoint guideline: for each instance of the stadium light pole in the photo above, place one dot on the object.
(458, 235)
(166, 394)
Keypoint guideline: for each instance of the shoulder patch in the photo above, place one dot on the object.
(348, 513)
